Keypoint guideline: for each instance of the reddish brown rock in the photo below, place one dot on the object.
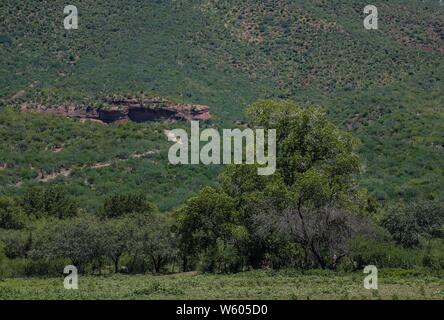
(124, 109)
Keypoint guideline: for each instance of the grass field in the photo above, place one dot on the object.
(316, 284)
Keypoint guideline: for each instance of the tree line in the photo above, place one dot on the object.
(311, 213)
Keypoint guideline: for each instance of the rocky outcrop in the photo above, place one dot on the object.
(124, 109)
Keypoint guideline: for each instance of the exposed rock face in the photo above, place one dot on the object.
(121, 110)
(112, 115)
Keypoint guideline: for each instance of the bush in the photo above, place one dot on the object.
(16, 243)
(79, 239)
(221, 258)
(136, 264)
(382, 254)
(285, 255)
(26, 267)
(412, 223)
(434, 255)
(11, 214)
(121, 204)
(49, 202)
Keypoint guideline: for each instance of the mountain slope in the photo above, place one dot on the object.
(384, 85)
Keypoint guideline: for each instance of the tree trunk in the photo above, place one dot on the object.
(184, 263)
(159, 263)
(116, 265)
(318, 257)
(156, 263)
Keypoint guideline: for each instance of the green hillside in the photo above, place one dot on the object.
(383, 85)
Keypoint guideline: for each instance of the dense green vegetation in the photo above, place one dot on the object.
(289, 285)
(359, 181)
(310, 214)
(384, 85)
(91, 161)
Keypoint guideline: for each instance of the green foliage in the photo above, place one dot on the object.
(11, 214)
(80, 239)
(413, 223)
(16, 243)
(153, 240)
(319, 44)
(222, 257)
(211, 229)
(434, 255)
(49, 202)
(383, 85)
(119, 205)
(116, 239)
(302, 216)
(307, 200)
(205, 218)
(89, 243)
(383, 254)
(305, 203)
(92, 161)
(283, 255)
(14, 268)
(315, 158)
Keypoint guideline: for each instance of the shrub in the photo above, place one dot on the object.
(285, 255)
(382, 254)
(412, 223)
(223, 257)
(49, 202)
(434, 255)
(118, 205)
(17, 243)
(21, 267)
(152, 241)
(80, 239)
(11, 214)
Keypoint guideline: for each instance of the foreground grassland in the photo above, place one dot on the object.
(393, 284)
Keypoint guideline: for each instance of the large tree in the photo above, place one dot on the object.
(310, 198)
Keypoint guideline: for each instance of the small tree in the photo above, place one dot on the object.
(152, 237)
(116, 239)
(17, 243)
(208, 216)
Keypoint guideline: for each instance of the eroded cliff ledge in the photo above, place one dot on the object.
(124, 109)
